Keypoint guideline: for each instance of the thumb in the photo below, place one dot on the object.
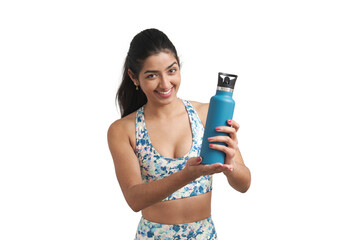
(194, 161)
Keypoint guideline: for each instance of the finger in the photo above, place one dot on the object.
(230, 130)
(194, 161)
(225, 139)
(234, 124)
(230, 152)
(215, 168)
(226, 129)
(226, 168)
(229, 167)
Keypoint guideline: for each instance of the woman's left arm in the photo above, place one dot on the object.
(239, 178)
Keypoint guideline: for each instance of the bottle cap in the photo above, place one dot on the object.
(226, 80)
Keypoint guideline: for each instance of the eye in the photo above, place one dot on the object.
(151, 76)
(172, 70)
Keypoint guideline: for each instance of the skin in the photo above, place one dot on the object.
(170, 132)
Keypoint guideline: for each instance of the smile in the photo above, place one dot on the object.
(165, 94)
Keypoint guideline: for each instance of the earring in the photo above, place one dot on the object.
(137, 87)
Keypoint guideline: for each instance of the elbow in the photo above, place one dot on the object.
(134, 205)
(241, 187)
(135, 208)
(247, 184)
(133, 200)
(245, 188)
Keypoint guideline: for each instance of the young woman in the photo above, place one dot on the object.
(156, 143)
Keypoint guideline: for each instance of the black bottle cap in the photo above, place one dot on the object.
(226, 80)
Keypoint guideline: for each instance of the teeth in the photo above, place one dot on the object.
(164, 93)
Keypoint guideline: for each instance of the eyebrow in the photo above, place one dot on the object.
(155, 71)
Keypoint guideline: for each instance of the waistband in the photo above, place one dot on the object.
(203, 229)
(147, 222)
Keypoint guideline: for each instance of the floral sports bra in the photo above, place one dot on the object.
(154, 166)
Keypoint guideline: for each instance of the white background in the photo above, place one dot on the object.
(297, 101)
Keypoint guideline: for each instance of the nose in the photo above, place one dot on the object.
(165, 82)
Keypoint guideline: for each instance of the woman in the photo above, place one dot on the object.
(155, 146)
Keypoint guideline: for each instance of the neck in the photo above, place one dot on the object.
(163, 111)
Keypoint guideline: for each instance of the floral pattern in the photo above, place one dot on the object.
(154, 166)
(203, 230)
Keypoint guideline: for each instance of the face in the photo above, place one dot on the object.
(160, 78)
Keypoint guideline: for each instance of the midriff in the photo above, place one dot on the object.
(179, 211)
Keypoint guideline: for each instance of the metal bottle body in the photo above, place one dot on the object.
(221, 109)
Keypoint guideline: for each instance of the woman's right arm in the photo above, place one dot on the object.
(140, 195)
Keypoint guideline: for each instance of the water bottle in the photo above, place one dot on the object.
(221, 109)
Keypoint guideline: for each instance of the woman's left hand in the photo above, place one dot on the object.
(231, 142)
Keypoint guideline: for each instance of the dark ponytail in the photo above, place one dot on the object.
(144, 44)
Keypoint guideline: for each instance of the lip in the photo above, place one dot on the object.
(165, 95)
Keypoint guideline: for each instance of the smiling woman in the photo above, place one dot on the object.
(159, 80)
(156, 144)
(145, 44)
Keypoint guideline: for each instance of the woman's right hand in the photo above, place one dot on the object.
(195, 169)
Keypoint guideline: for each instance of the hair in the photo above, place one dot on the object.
(146, 43)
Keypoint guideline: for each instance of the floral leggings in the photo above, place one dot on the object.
(203, 229)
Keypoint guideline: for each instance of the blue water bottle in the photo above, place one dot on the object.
(221, 109)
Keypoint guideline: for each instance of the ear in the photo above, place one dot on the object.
(133, 77)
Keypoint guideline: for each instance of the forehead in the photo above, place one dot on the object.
(159, 61)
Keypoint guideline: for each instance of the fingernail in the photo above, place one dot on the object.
(217, 128)
(229, 120)
(210, 139)
(198, 159)
(211, 145)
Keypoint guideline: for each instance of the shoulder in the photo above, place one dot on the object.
(123, 124)
(123, 130)
(201, 109)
